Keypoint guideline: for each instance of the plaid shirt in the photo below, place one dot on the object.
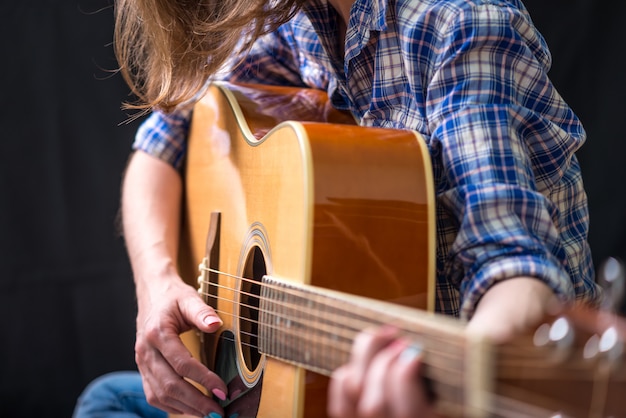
(471, 77)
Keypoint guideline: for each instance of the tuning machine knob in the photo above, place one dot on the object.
(558, 335)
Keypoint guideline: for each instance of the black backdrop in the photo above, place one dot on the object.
(66, 295)
(588, 43)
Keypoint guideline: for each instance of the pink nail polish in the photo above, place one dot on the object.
(220, 394)
(212, 320)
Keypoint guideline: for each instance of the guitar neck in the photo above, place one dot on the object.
(314, 328)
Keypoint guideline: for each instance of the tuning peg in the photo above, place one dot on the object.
(558, 334)
(608, 344)
(611, 344)
(611, 277)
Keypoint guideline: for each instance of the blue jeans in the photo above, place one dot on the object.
(116, 394)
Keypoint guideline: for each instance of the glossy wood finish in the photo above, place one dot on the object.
(334, 207)
(329, 204)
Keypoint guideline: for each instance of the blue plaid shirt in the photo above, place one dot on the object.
(472, 77)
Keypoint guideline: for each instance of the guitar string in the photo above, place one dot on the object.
(435, 356)
(338, 329)
(450, 371)
(499, 405)
(298, 293)
(312, 314)
(498, 399)
(531, 360)
(526, 356)
(526, 363)
(344, 344)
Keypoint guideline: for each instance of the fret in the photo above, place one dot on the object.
(314, 328)
(299, 327)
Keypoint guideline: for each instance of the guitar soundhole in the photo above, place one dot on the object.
(255, 269)
(244, 381)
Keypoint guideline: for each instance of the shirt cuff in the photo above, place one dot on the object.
(511, 267)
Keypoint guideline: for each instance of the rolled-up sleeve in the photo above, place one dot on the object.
(164, 136)
(507, 140)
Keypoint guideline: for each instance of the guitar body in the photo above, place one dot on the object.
(321, 202)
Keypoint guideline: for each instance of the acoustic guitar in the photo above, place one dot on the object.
(306, 229)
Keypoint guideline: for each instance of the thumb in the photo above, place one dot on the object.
(201, 315)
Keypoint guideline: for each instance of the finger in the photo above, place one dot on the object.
(164, 343)
(186, 366)
(195, 311)
(409, 393)
(166, 389)
(164, 362)
(346, 383)
(341, 403)
(172, 406)
(394, 386)
(175, 406)
(378, 383)
(366, 345)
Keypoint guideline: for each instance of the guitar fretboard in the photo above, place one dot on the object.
(314, 328)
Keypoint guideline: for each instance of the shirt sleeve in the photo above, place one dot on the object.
(273, 59)
(164, 136)
(510, 180)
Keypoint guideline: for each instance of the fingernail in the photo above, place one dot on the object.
(411, 353)
(211, 320)
(214, 415)
(219, 393)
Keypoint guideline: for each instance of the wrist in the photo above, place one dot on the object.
(511, 307)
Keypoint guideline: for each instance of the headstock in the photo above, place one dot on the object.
(571, 366)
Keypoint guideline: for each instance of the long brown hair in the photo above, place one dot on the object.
(166, 49)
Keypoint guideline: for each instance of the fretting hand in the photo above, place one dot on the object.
(381, 380)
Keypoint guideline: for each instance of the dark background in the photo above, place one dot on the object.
(588, 43)
(67, 303)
